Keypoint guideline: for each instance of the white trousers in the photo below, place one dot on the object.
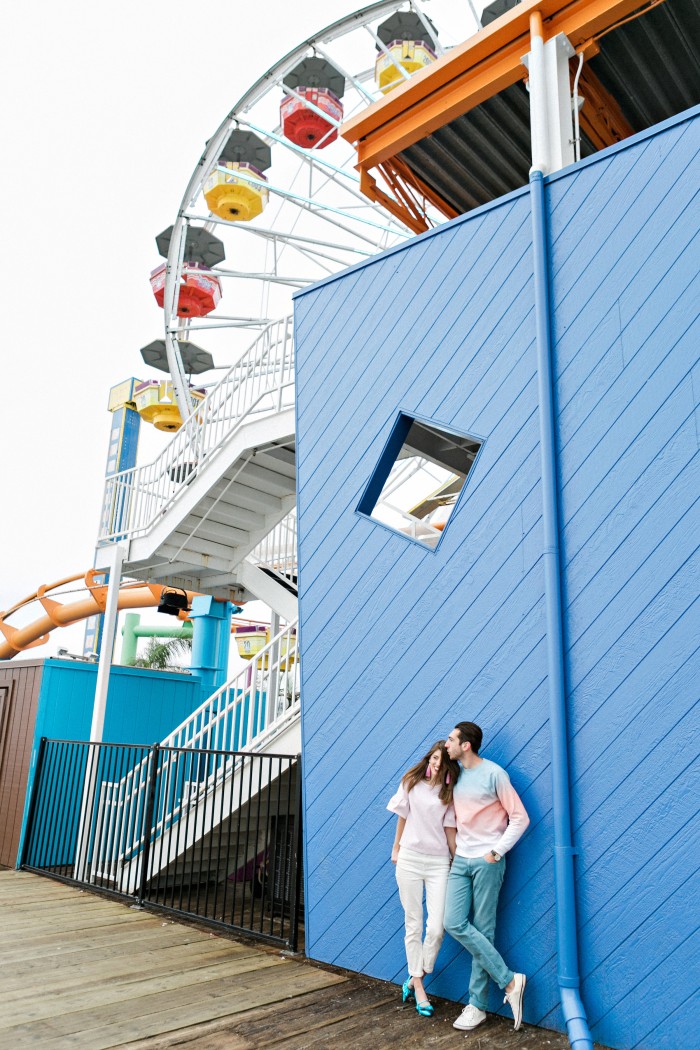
(416, 874)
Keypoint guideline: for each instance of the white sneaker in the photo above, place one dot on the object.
(470, 1017)
(515, 998)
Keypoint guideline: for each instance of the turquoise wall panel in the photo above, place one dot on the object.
(400, 642)
(143, 707)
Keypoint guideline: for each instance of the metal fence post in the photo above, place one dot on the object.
(296, 872)
(33, 802)
(148, 821)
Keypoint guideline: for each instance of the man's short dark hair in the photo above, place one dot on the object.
(470, 733)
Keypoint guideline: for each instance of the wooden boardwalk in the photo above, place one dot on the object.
(78, 972)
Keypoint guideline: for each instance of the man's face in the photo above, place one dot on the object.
(453, 745)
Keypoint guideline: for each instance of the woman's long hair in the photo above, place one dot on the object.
(446, 775)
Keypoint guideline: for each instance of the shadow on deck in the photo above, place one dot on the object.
(87, 973)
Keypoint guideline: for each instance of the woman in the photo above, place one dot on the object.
(422, 852)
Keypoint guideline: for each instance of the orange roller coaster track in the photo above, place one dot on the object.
(63, 614)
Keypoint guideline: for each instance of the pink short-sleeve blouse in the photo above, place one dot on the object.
(426, 818)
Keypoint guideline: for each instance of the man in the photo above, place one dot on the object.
(490, 820)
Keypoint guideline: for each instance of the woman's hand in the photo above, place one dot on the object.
(394, 854)
(490, 859)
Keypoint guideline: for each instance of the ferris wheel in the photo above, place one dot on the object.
(274, 202)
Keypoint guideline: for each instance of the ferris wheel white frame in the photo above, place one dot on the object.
(371, 226)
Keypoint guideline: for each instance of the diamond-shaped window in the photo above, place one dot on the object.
(417, 482)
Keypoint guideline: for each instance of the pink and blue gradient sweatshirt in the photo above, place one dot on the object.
(490, 815)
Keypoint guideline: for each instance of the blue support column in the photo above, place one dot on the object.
(210, 642)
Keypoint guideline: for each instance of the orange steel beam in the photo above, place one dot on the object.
(405, 184)
(479, 68)
(601, 118)
(403, 171)
(369, 187)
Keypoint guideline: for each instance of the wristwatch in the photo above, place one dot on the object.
(496, 856)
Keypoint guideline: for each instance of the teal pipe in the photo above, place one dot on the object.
(564, 883)
(210, 642)
(132, 631)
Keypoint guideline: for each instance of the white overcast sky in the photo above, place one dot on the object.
(106, 109)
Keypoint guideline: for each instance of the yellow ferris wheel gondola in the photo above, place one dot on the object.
(231, 190)
(155, 403)
(408, 46)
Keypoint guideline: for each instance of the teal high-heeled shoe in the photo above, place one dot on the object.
(407, 992)
(425, 1009)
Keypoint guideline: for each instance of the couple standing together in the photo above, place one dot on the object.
(458, 817)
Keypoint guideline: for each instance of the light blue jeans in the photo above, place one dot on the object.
(474, 886)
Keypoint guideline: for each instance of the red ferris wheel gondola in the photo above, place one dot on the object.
(310, 115)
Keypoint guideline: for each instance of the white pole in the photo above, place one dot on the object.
(538, 96)
(109, 630)
(557, 54)
(273, 679)
(109, 627)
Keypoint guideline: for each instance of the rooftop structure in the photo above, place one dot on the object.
(457, 134)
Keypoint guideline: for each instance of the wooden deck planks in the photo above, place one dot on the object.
(81, 972)
(362, 1014)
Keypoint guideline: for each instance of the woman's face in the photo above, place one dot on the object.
(435, 761)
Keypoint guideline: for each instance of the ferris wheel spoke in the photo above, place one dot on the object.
(290, 238)
(293, 282)
(315, 259)
(243, 323)
(355, 81)
(278, 151)
(430, 30)
(382, 47)
(309, 156)
(312, 159)
(302, 200)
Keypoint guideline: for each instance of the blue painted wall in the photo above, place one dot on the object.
(400, 642)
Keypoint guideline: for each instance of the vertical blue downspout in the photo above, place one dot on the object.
(564, 888)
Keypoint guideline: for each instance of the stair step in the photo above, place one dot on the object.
(199, 544)
(281, 460)
(239, 495)
(233, 515)
(219, 533)
(270, 481)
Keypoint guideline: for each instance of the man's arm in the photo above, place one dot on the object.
(518, 819)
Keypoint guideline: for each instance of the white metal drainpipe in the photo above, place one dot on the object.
(564, 883)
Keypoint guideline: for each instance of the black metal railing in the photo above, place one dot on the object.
(213, 835)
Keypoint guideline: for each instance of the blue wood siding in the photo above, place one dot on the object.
(400, 642)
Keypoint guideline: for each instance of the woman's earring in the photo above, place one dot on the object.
(428, 773)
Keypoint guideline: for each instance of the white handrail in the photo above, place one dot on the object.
(260, 383)
(239, 716)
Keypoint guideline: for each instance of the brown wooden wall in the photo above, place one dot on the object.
(19, 695)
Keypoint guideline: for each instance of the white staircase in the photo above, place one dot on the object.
(257, 711)
(225, 480)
